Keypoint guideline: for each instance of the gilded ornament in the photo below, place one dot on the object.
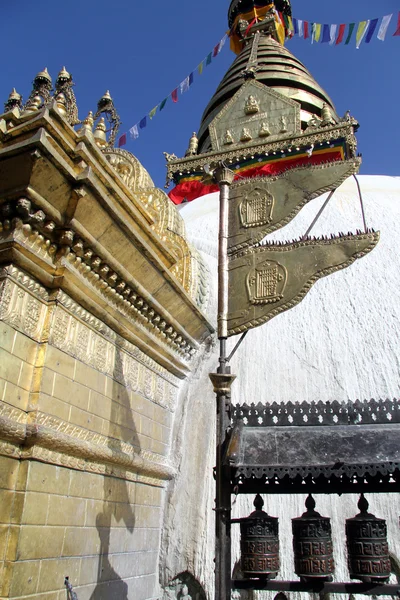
(193, 145)
(256, 208)
(87, 124)
(64, 85)
(252, 106)
(100, 136)
(245, 136)
(42, 86)
(106, 106)
(264, 130)
(14, 101)
(61, 104)
(228, 138)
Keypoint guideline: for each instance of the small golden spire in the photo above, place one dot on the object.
(34, 105)
(44, 75)
(87, 125)
(14, 101)
(193, 145)
(14, 95)
(61, 104)
(63, 74)
(100, 133)
(107, 96)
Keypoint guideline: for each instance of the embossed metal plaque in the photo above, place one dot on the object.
(259, 206)
(268, 280)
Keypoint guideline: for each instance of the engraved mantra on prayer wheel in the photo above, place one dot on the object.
(367, 546)
(259, 543)
(312, 545)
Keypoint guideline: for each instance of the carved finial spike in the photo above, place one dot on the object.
(310, 503)
(258, 502)
(43, 75)
(363, 504)
(63, 74)
(100, 133)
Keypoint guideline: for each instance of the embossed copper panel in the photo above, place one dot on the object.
(258, 207)
(268, 280)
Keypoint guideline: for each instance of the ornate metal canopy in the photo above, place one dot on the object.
(315, 447)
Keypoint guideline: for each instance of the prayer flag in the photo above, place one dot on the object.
(143, 123)
(384, 27)
(222, 42)
(291, 28)
(153, 112)
(371, 30)
(317, 29)
(122, 140)
(361, 31)
(174, 95)
(134, 132)
(163, 103)
(191, 77)
(184, 85)
(300, 23)
(333, 30)
(326, 35)
(216, 50)
(200, 67)
(208, 59)
(306, 33)
(397, 32)
(295, 26)
(349, 36)
(342, 29)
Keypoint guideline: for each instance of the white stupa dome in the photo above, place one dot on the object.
(341, 343)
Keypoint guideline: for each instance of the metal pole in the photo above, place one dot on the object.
(224, 178)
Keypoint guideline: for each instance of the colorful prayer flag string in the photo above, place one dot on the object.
(183, 87)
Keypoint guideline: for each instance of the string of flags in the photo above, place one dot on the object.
(182, 88)
(316, 32)
(337, 34)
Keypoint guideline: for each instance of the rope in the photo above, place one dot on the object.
(362, 203)
(321, 210)
(70, 590)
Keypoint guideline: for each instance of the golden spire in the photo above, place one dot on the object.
(100, 133)
(87, 125)
(63, 74)
(44, 75)
(14, 101)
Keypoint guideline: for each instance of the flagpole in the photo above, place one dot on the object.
(222, 381)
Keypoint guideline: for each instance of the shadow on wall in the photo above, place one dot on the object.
(184, 587)
(116, 502)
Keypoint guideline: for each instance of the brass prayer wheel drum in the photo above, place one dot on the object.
(312, 545)
(259, 543)
(367, 546)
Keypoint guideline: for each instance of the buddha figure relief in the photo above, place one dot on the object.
(264, 130)
(246, 135)
(251, 107)
(283, 125)
(228, 138)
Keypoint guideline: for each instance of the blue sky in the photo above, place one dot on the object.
(142, 50)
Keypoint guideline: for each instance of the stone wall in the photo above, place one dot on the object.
(82, 495)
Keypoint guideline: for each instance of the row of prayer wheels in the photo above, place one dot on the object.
(366, 537)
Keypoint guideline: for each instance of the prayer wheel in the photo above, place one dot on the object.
(259, 543)
(367, 546)
(312, 545)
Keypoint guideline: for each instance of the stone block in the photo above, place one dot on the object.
(142, 588)
(148, 495)
(66, 511)
(81, 541)
(7, 337)
(6, 502)
(53, 406)
(3, 541)
(24, 348)
(85, 419)
(53, 573)
(69, 391)
(8, 472)
(12, 542)
(162, 416)
(159, 448)
(89, 570)
(94, 508)
(47, 381)
(38, 542)
(25, 376)
(10, 367)
(86, 485)
(90, 377)
(17, 507)
(16, 396)
(100, 405)
(141, 405)
(35, 508)
(148, 516)
(25, 578)
(49, 479)
(3, 384)
(60, 362)
(5, 578)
